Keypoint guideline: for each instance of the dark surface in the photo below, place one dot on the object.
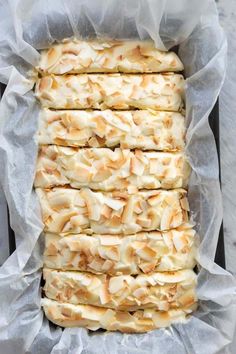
(214, 124)
(11, 237)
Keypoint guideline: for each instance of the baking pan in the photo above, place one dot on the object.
(220, 251)
(215, 126)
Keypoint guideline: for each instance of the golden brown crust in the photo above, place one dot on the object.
(144, 252)
(66, 210)
(143, 129)
(106, 170)
(159, 92)
(93, 318)
(162, 291)
(76, 56)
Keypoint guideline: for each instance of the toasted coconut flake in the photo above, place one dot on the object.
(106, 211)
(107, 265)
(116, 284)
(127, 215)
(136, 166)
(161, 319)
(140, 293)
(115, 221)
(147, 267)
(93, 209)
(113, 253)
(154, 200)
(102, 174)
(146, 253)
(132, 189)
(53, 56)
(145, 223)
(96, 265)
(184, 203)
(60, 201)
(61, 223)
(66, 312)
(45, 83)
(104, 294)
(107, 318)
(92, 313)
(178, 241)
(166, 218)
(110, 240)
(188, 298)
(52, 249)
(114, 204)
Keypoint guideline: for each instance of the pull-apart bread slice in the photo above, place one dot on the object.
(144, 252)
(66, 210)
(162, 291)
(104, 169)
(143, 129)
(76, 56)
(155, 91)
(93, 318)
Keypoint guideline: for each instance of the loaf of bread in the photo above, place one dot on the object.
(142, 129)
(93, 318)
(155, 91)
(106, 170)
(77, 56)
(143, 252)
(66, 210)
(161, 291)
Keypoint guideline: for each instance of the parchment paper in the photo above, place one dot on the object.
(29, 25)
